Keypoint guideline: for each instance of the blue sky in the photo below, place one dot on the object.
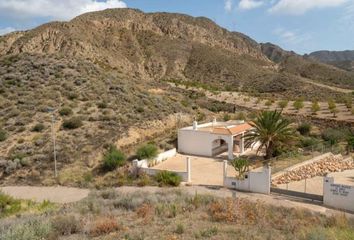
(300, 25)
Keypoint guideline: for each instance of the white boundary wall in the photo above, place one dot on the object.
(255, 181)
(143, 165)
(160, 158)
(337, 195)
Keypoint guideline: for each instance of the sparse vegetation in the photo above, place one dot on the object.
(107, 214)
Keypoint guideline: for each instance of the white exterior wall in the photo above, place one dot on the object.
(258, 182)
(337, 195)
(200, 143)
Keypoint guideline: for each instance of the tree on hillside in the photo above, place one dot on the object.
(283, 104)
(315, 107)
(349, 103)
(271, 130)
(332, 107)
(268, 103)
(298, 104)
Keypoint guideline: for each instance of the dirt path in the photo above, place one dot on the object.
(336, 89)
(53, 194)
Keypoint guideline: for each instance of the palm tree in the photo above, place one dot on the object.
(271, 130)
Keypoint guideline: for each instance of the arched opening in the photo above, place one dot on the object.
(219, 146)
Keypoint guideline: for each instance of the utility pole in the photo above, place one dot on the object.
(54, 143)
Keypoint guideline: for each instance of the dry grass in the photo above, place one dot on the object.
(173, 214)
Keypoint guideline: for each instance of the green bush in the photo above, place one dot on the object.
(308, 142)
(165, 178)
(298, 104)
(227, 117)
(3, 135)
(39, 127)
(8, 205)
(148, 151)
(113, 159)
(333, 136)
(350, 142)
(102, 105)
(72, 123)
(304, 129)
(65, 111)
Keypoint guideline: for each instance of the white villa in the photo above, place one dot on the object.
(213, 138)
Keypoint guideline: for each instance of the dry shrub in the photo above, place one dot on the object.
(236, 210)
(66, 225)
(145, 211)
(338, 220)
(223, 210)
(104, 225)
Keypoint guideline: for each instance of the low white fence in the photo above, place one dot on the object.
(160, 158)
(338, 195)
(143, 165)
(254, 181)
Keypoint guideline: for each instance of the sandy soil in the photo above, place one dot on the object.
(53, 194)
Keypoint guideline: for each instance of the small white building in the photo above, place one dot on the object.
(212, 139)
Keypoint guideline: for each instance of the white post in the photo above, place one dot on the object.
(225, 172)
(242, 143)
(189, 173)
(231, 148)
(195, 125)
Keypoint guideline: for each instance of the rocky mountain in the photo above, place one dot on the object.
(340, 59)
(331, 73)
(332, 56)
(106, 76)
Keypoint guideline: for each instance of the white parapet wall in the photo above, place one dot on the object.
(254, 181)
(338, 196)
(160, 158)
(143, 165)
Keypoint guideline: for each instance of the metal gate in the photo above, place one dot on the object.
(310, 196)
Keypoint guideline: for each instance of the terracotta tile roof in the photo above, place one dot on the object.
(233, 130)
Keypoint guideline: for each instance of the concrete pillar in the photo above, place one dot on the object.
(135, 167)
(231, 148)
(242, 143)
(195, 125)
(225, 172)
(189, 173)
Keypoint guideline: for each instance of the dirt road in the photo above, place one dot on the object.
(54, 194)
